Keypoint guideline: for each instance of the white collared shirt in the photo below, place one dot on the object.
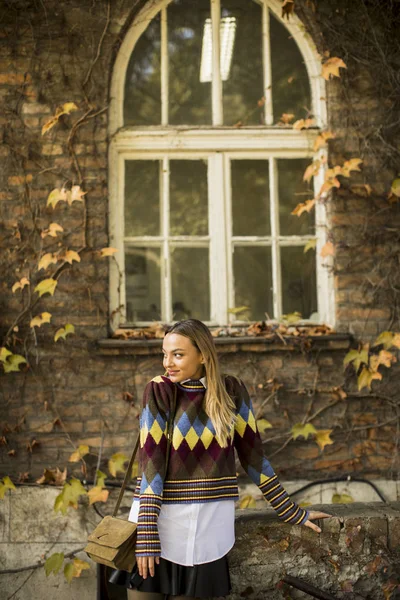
(197, 533)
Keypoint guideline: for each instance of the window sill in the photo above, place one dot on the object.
(331, 342)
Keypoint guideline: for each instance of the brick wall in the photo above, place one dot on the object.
(75, 391)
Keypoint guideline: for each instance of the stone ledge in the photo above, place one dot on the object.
(334, 341)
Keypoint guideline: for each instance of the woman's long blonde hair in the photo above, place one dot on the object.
(219, 406)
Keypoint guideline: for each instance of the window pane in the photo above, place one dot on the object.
(188, 197)
(241, 62)
(299, 281)
(189, 98)
(143, 291)
(190, 283)
(292, 191)
(290, 83)
(142, 101)
(250, 197)
(253, 281)
(142, 202)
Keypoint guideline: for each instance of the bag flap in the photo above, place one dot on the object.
(112, 532)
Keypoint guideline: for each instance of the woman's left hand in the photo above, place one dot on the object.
(315, 514)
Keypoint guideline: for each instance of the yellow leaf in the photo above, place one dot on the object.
(135, 470)
(303, 123)
(366, 378)
(286, 118)
(311, 244)
(384, 358)
(395, 189)
(303, 430)
(327, 250)
(76, 194)
(46, 260)
(263, 424)
(38, 321)
(46, 286)
(385, 338)
(12, 363)
(247, 502)
(65, 109)
(64, 331)
(342, 499)
(54, 563)
(69, 496)
(101, 477)
(107, 251)
(116, 463)
(312, 170)
(396, 340)
(291, 318)
(97, 494)
(322, 438)
(4, 353)
(75, 568)
(350, 165)
(303, 207)
(71, 255)
(332, 66)
(52, 230)
(81, 451)
(357, 358)
(20, 284)
(322, 138)
(6, 484)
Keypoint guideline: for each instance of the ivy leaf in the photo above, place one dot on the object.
(322, 138)
(303, 124)
(395, 188)
(38, 321)
(286, 118)
(263, 424)
(19, 285)
(366, 378)
(54, 563)
(100, 478)
(384, 358)
(351, 165)
(342, 499)
(327, 250)
(332, 66)
(357, 357)
(53, 476)
(396, 340)
(52, 230)
(6, 484)
(311, 245)
(69, 496)
(322, 438)
(75, 568)
(4, 353)
(312, 170)
(247, 502)
(303, 430)
(385, 338)
(64, 331)
(57, 196)
(71, 255)
(107, 252)
(291, 318)
(303, 207)
(97, 494)
(12, 363)
(116, 463)
(79, 453)
(46, 286)
(76, 194)
(46, 260)
(65, 109)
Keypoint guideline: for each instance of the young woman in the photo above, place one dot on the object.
(185, 512)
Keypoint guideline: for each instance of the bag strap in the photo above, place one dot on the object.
(169, 441)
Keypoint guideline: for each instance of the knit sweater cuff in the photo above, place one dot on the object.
(148, 541)
(277, 496)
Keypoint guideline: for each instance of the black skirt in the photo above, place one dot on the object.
(210, 579)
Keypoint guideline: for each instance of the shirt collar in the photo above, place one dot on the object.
(202, 379)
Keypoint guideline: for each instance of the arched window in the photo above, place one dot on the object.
(204, 172)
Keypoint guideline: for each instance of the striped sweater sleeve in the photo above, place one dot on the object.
(152, 455)
(248, 444)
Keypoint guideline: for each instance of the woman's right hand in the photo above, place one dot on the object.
(146, 565)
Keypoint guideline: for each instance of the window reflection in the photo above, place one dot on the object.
(142, 284)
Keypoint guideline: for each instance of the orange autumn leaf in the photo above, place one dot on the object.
(322, 138)
(350, 165)
(331, 67)
(366, 378)
(97, 494)
(71, 255)
(107, 251)
(286, 118)
(327, 250)
(312, 170)
(52, 230)
(303, 123)
(303, 207)
(19, 285)
(46, 260)
(384, 358)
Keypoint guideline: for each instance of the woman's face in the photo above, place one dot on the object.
(181, 359)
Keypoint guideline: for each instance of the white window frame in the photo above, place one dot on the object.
(219, 144)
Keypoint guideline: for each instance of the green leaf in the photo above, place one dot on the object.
(116, 463)
(46, 286)
(303, 430)
(291, 318)
(342, 499)
(54, 563)
(64, 331)
(395, 189)
(4, 353)
(69, 572)
(385, 338)
(69, 496)
(356, 357)
(12, 363)
(6, 484)
(238, 309)
(100, 478)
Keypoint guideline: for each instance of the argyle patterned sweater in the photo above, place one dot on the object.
(199, 469)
